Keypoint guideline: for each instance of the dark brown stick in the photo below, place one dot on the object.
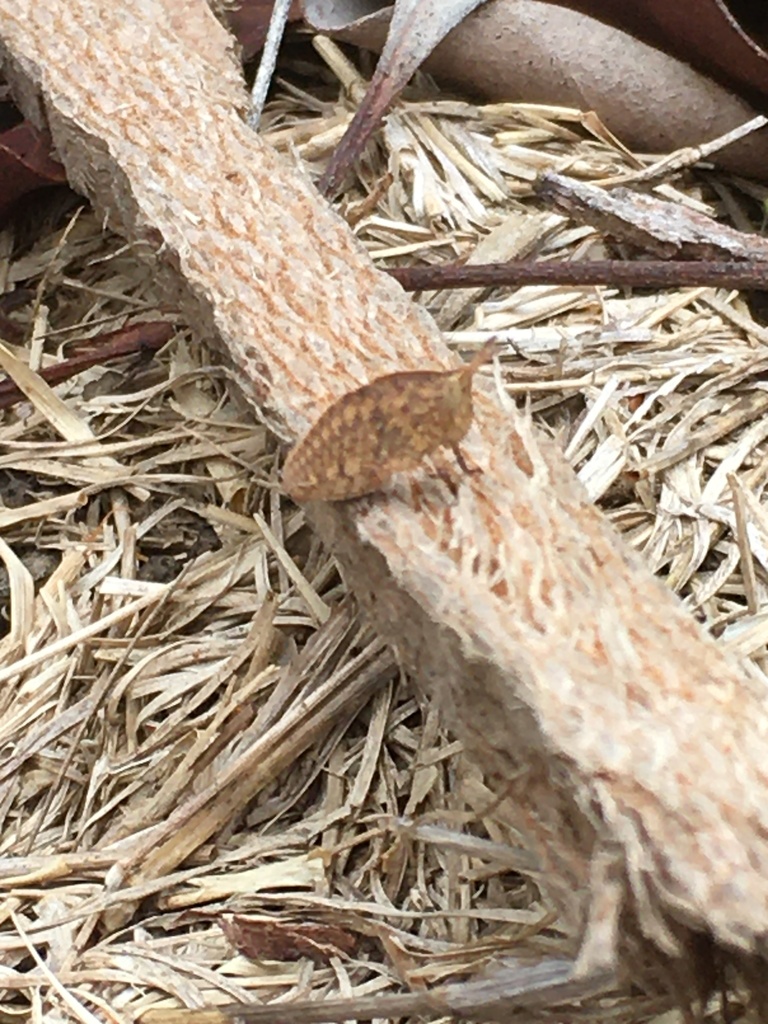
(104, 349)
(616, 273)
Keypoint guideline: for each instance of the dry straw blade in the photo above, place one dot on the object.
(512, 985)
(385, 427)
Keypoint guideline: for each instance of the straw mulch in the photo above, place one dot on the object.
(242, 731)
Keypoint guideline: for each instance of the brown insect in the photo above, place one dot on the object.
(382, 428)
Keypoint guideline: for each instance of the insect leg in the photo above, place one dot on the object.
(463, 464)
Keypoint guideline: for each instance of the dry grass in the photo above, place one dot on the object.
(193, 722)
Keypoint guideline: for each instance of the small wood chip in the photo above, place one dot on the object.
(385, 427)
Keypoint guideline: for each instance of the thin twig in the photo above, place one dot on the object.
(617, 273)
(266, 70)
(687, 157)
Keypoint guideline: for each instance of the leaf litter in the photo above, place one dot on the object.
(195, 728)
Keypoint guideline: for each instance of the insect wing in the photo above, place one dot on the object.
(382, 428)
(338, 457)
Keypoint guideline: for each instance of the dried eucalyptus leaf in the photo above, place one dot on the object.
(416, 28)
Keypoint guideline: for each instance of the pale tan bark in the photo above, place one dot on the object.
(563, 664)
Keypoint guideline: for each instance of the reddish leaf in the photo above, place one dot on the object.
(26, 164)
(250, 21)
(266, 938)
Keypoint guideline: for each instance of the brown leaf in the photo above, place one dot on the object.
(703, 33)
(26, 164)
(270, 938)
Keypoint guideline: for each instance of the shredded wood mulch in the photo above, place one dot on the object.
(215, 784)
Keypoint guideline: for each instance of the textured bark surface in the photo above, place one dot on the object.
(563, 663)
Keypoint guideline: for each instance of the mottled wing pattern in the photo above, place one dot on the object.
(382, 428)
(362, 439)
(410, 416)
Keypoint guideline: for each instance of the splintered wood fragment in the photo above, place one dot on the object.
(668, 230)
(385, 427)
